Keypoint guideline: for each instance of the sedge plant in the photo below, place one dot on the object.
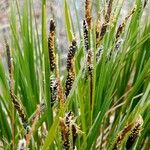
(102, 99)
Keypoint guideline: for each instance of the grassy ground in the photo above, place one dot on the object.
(102, 99)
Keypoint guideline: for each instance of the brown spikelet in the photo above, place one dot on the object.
(107, 20)
(51, 45)
(71, 54)
(122, 26)
(122, 135)
(34, 120)
(134, 133)
(14, 98)
(88, 12)
(85, 34)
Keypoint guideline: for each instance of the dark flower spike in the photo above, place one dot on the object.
(65, 133)
(20, 110)
(88, 12)
(69, 131)
(135, 132)
(122, 26)
(70, 68)
(71, 54)
(69, 82)
(51, 45)
(90, 61)
(122, 135)
(85, 34)
(109, 10)
(14, 98)
(107, 20)
(60, 92)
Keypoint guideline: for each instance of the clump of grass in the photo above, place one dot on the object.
(107, 76)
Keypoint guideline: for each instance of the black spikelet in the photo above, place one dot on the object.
(51, 45)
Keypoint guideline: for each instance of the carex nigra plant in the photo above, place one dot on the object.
(100, 100)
